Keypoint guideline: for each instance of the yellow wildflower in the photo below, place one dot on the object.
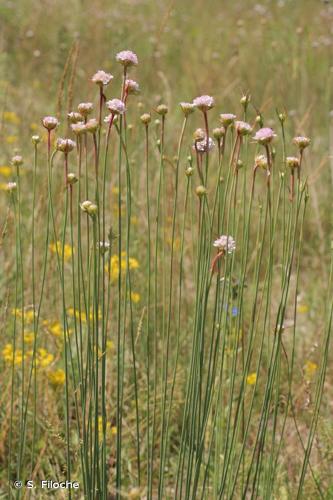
(43, 358)
(29, 337)
(109, 431)
(135, 297)
(3, 186)
(28, 314)
(57, 377)
(11, 117)
(5, 171)
(34, 126)
(11, 139)
(58, 246)
(302, 308)
(8, 355)
(251, 379)
(310, 369)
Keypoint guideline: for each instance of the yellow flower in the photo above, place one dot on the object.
(29, 337)
(310, 369)
(251, 379)
(8, 355)
(302, 308)
(3, 186)
(11, 139)
(43, 358)
(57, 377)
(109, 345)
(109, 431)
(135, 297)
(58, 246)
(5, 171)
(28, 314)
(34, 126)
(11, 117)
(115, 190)
(74, 313)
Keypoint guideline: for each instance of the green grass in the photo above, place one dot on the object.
(185, 372)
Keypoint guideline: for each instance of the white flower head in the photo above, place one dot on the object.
(17, 160)
(227, 119)
(302, 142)
(292, 162)
(132, 87)
(187, 107)
(85, 108)
(65, 145)
(204, 102)
(116, 107)
(92, 125)
(102, 78)
(243, 128)
(11, 186)
(201, 146)
(50, 122)
(78, 128)
(74, 117)
(225, 244)
(127, 58)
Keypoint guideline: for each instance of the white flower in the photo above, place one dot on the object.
(116, 106)
(65, 145)
(243, 128)
(50, 122)
(85, 108)
(132, 87)
(127, 58)
(11, 186)
(74, 117)
(227, 119)
(204, 102)
(301, 141)
(225, 244)
(201, 146)
(78, 128)
(102, 78)
(292, 162)
(261, 161)
(187, 107)
(17, 160)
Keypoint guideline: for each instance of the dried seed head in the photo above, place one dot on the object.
(302, 142)
(127, 58)
(225, 243)
(219, 132)
(201, 191)
(75, 117)
(261, 161)
(85, 108)
(204, 102)
(292, 162)
(89, 207)
(92, 125)
(116, 106)
(132, 87)
(227, 119)
(71, 178)
(35, 139)
(189, 171)
(50, 122)
(78, 128)
(65, 145)
(199, 134)
(187, 107)
(145, 118)
(243, 128)
(264, 136)
(17, 161)
(101, 78)
(162, 109)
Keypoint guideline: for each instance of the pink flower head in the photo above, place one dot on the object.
(225, 244)
(264, 135)
(65, 145)
(132, 87)
(102, 78)
(301, 141)
(204, 102)
(127, 58)
(227, 119)
(243, 128)
(85, 108)
(78, 128)
(50, 122)
(116, 107)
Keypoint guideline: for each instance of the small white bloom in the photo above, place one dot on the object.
(132, 87)
(102, 78)
(127, 58)
(225, 244)
(243, 128)
(204, 102)
(50, 122)
(116, 106)
(201, 146)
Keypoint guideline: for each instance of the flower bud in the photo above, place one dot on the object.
(292, 162)
(218, 132)
(71, 178)
(187, 108)
(227, 119)
(11, 186)
(50, 122)
(162, 109)
(17, 161)
(75, 117)
(78, 128)
(145, 118)
(201, 191)
(92, 125)
(127, 58)
(35, 139)
(85, 108)
(189, 171)
(199, 135)
(65, 145)
(89, 207)
(302, 142)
